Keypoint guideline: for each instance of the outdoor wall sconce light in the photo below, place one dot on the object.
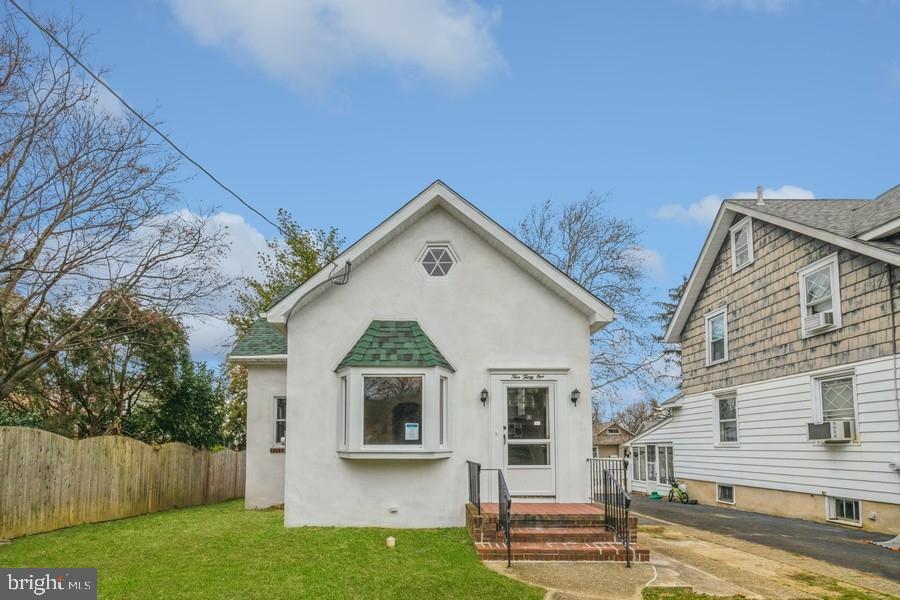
(484, 397)
(575, 396)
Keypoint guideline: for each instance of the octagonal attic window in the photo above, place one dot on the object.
(437, 260)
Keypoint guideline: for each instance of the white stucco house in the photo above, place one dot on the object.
(443, 339)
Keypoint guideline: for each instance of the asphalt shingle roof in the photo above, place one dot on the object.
(847, 218)
(262, 339)
(394, 344)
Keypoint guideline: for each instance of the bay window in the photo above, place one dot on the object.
(393, 413)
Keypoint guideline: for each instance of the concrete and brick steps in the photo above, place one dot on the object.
(563, 551)
(548, 531)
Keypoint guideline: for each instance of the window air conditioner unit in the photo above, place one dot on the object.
(818, 321)
(831, 431)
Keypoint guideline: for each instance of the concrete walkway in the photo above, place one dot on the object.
(840, 546)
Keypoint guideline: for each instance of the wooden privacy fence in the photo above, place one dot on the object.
(48, 481)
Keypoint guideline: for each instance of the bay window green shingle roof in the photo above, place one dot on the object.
(394, 344)
(262, 339)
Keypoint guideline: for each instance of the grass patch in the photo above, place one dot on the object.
(658, 531)
(833, 589)
(224, 552)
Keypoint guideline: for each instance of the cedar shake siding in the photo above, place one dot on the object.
(764, 324)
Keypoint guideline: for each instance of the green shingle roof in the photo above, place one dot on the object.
(394, 344)
(262, 339)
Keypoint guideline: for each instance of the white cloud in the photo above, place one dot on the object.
(703, 212)
(209, 335)
(785, 192)
(652, 261)
(307, 43)
(749, 5)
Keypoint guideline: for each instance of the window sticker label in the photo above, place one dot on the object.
(412, 431)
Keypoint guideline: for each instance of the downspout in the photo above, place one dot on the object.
(894, 346)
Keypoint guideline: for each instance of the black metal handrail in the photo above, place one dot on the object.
(504, 502)
(474, 484)
(608, 489)
(504, 499)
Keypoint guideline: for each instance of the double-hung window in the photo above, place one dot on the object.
(741, 244)
(717, 336)
(726, 418)
(280, 421)
(820, 296)
(834, 398)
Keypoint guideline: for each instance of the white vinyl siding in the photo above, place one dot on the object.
(775, 451)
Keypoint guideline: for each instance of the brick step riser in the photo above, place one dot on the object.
(544, 522)
(537, 537)
(574, 555)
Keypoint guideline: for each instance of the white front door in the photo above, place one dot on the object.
(528, 430)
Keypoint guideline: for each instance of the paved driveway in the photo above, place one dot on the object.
(829, 543)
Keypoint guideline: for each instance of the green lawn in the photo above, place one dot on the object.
(222, 551)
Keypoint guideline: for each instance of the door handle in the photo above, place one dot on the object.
(504, 439)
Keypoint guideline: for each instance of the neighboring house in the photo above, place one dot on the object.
(788, 332)
(445, 340)
(609, 439)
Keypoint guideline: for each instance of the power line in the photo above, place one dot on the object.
(133, 111)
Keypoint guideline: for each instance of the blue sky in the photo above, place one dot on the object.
(341, 111)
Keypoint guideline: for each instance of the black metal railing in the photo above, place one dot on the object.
(504, 502)
(474, 484)
(608, 489)
(504, 499)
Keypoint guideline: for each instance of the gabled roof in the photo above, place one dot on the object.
(601, 428)
(394, 344)
(850, 224)
(439, 194)
(261, 340)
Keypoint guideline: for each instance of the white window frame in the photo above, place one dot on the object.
(444, 246)
(832, 262)
(664, 450)
(745, 223)
(275, 420)
(719, 499)
(351, 415)
(444, 409)
(818, 408)
(344, 432)
(717, 429)
(723, 312)
(830, 510)
(613, 430)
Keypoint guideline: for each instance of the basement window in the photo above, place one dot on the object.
(844, 510)
(725, 493)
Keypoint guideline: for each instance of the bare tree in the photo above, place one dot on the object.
(636, 415)
(603, 254)
(87, 211)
